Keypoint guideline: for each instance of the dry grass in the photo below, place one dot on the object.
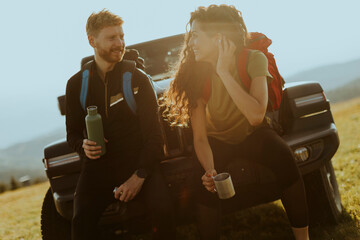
(347, 159)
(20, 212)
(20, 209)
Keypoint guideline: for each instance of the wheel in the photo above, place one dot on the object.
(323, 196)
(53, 225)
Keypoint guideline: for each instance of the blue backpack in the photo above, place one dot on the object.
(127, 84)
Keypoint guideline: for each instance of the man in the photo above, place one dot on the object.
(133, 141)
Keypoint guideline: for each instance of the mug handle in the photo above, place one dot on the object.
(213, 177)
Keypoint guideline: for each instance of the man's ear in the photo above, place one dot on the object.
(92, 41)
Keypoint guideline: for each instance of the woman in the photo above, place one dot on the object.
(230, 122)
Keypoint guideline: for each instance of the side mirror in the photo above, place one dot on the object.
(62, 104)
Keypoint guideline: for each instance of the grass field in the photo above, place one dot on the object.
(20, 209)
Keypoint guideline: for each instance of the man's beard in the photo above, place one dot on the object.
(109, 56)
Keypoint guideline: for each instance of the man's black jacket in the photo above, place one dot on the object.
(134, 140)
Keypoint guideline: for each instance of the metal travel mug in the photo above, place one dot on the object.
(224, 186)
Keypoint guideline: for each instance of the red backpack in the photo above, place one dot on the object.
(258, 41)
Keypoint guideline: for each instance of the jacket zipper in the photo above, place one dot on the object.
(106, 93)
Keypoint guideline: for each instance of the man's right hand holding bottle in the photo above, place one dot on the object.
(92, 151)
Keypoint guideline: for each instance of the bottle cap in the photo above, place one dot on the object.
(92, 110)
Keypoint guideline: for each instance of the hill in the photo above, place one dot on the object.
(25, 158)
(331, 76)
(346, 92)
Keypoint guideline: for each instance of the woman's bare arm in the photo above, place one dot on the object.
(253, 104)
(201, 143)
(202, 146)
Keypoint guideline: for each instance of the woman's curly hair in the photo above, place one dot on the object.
(190, 76)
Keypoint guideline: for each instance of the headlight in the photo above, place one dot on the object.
(310, 99)
(301, 154)
(61, 160)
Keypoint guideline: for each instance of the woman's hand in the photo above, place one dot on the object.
(226, 58)
(208, 181)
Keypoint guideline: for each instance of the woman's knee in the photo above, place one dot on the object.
(278, 156)
(274, 145)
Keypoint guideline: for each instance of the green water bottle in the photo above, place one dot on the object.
(94, 128)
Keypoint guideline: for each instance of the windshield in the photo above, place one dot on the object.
(160, 55)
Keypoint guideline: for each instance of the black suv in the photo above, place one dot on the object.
(309, 130)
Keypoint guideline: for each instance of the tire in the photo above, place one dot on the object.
(323, 196)
(53, 225)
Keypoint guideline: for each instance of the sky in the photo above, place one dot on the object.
(42, 43)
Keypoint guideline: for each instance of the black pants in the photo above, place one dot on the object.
(94, 193)
(265, 147)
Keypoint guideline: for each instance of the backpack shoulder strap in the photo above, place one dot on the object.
(86, 69)
(242, 68)
(129, 67)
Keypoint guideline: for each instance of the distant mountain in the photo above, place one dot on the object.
(346, 92)
(25, 158)
(331, 76)
(23, 153)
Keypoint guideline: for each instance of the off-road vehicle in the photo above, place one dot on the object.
(308, 127)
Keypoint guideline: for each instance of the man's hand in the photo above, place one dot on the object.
(208, 181)
(91, 150)
(129, 189)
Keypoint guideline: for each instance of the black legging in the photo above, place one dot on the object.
(265, 147)
(94, 193)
